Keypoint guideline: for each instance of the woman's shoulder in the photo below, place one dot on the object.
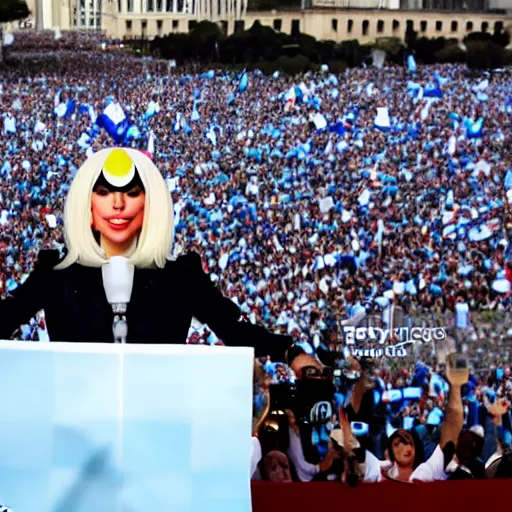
(47, 259)
(190, 261)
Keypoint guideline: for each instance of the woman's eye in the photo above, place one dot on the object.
(134, 193)
(102, 192)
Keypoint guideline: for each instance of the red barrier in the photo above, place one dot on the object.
(458, 496)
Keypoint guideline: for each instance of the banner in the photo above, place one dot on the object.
(125, 428)
(378, 58)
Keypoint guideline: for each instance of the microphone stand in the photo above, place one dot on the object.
(120, 331)
(120, 325)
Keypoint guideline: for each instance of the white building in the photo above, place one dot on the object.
(337, 20)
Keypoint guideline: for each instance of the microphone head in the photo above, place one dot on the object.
(118, 280)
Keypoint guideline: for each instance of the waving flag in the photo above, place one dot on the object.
(319, 121)
(411, 64)
(440, 80)
(63, 109)
(88, 109)
(244, 82)
(9, 124)
(291, 98)
(8, 39)
(153, 108)
(378, 58)
(382, 121)
(433, 91)
(338, 128)
(151, 144)
(475, 130)
(482, 86)
(114, 121)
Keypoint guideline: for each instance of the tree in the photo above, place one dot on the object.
(411, 36)
(204, 39)
(11, 10)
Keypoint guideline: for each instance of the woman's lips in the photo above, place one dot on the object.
(118, 224)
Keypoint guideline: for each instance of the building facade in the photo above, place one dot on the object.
(150, 18)
(325, 24)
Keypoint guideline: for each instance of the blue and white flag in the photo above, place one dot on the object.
(380, 231)
(84, 141)
(211, 135)
(153, 108)
(151, 143)
(433, 91)
(440, 80)
(382, 121)
(133, 133)
(88, 109)
(482, 86)
(508, 179)
(244, 82)
(475, 130)
(411, 64)
(452, 145)
(319, 121)
(195, 114)
(9, 124)
(114, 121)
(63, 109)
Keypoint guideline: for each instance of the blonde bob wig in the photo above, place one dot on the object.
(154, 243)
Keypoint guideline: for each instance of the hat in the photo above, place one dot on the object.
(478, 430)
(118, 169)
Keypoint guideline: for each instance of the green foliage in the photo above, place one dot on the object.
(261, 47)
(425, 49)
(451, 54)
(352, 53)
(394, 48)
(203, 40)
(336, 66)
(485, 55)
(391, 45)
(288, 65)
(411, 36)
(500, 37)
(11, 10)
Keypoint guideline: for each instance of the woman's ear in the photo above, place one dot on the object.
(386, 455)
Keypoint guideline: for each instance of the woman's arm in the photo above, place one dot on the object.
(223, 316)
(28, 298)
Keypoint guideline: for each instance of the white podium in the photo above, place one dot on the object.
(125, 428)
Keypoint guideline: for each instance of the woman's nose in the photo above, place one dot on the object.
(118, 200)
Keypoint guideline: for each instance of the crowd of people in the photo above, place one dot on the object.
(428, 424)
(311, 199)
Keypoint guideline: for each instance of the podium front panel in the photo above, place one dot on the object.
(125, 428)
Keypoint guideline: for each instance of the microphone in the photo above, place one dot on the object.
(118, 284)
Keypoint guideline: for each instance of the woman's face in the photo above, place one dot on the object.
(404, 452)
(118, 217)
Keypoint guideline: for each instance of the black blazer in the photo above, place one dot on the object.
(162, 305)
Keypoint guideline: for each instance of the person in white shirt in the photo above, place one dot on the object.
(404, 462)
(461, 314)
(305, 471)
(256, 455)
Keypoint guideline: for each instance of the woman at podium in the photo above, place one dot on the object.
(119, 205)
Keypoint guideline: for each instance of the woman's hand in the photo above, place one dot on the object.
(328, 460)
